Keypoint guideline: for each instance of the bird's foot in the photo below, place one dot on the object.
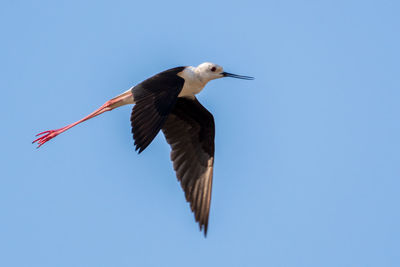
(47, 136)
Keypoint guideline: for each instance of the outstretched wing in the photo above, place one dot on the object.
(154, 98)
(190, 131)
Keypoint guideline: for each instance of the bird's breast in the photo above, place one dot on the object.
(190, 89)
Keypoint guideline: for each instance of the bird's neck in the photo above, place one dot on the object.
(194, 82)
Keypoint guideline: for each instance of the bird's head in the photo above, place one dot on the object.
(209, 71)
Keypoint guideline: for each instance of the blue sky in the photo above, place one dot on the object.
(307, 155)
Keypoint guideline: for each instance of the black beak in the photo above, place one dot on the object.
(227, 74)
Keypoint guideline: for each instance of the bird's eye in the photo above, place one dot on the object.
(213, 69)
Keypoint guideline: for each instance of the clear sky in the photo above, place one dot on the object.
(307, 166)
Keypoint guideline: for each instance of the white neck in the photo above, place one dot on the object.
(194, 82)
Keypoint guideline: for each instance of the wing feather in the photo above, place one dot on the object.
(155, 98)
(190, 131)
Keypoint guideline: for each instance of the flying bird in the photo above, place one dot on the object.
(167, 101)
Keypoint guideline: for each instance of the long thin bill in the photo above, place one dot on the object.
(227, 74)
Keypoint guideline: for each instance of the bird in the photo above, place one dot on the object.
(167, 102)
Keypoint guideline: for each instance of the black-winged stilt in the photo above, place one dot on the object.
(167, 102)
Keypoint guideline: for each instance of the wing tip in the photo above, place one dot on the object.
(140, 147)
(205, 230)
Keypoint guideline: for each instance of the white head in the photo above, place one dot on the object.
(208, 71)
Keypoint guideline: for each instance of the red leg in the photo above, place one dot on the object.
(123, 99)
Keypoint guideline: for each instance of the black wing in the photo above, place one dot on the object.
(154, 98)
(190, 131)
